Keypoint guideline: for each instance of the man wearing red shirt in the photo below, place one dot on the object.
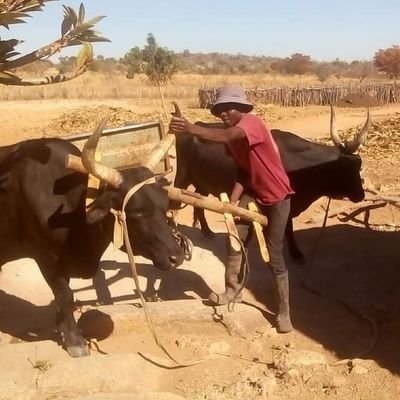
(261, 177)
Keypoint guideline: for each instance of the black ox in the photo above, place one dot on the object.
(314, 170)
(43, 216)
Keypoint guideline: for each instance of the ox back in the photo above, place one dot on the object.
(314, 170)
(42, 209)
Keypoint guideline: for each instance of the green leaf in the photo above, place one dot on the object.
(66, 25)
(81, 16)
(95, 20)
(93, 38)
(71, 14)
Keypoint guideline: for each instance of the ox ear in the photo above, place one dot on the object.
(101, 207)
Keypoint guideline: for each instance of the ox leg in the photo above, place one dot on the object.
(294, 250)
(71, 337)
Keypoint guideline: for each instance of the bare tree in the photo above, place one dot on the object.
(74, 31)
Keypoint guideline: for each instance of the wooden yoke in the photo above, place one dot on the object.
(259, 234)
(187, 197)
(230, 226)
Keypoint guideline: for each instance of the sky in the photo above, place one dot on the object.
(325, 30)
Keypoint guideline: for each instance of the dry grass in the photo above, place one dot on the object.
(183, 87)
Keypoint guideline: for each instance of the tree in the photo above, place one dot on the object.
(74, 31)
(298, 64)
(323, 71)
(157, 63)
(362, 69)
(388, 61)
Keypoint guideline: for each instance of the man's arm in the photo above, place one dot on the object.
(236, 193)
(238, 188)
(226, 135)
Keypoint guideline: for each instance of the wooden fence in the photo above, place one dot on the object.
(304, 96)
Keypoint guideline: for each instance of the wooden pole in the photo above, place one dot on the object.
(213, 204)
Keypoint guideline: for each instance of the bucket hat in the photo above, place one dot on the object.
(235, 96)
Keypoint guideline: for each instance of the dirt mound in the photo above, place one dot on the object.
(358, 100)
(85, 119)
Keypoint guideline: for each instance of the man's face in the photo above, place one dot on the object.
(230, 116)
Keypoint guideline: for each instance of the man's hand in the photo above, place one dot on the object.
(179, 125)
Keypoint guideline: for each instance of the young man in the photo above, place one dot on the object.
(261, 177)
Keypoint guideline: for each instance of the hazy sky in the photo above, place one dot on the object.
(325, 30)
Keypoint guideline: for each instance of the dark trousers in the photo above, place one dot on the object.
(274, 233)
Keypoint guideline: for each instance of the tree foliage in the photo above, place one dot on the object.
(157, 63)
(388, 61)
(74, 31)
(298, 64)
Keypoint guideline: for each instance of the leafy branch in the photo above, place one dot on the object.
(74, 31)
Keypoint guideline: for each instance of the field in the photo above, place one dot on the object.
(345, 300)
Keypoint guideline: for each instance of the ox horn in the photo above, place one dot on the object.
(161, 149)
(334, 135)
(100, 171)
(359, 138)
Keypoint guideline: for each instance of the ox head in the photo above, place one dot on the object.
(146, 210)
(347, 181)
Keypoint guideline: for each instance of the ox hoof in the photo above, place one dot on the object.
(78, 351)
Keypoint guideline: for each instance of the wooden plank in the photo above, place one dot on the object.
(128, 146)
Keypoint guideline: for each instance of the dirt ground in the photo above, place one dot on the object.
(345, 299)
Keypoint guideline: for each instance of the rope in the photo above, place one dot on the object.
(121, 217)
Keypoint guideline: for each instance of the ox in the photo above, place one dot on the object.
(42, 206)
(314, 170)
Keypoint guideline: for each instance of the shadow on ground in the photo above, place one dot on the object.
(346, 297)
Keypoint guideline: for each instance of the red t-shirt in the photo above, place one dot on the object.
(258, 155)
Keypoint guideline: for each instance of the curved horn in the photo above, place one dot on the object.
(161, 149)
(334, 135)
(359, 138)
(100, 171)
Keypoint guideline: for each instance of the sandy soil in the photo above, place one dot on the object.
(345, 300)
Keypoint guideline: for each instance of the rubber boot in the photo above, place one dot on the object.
(283, 323)
(232, 283)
